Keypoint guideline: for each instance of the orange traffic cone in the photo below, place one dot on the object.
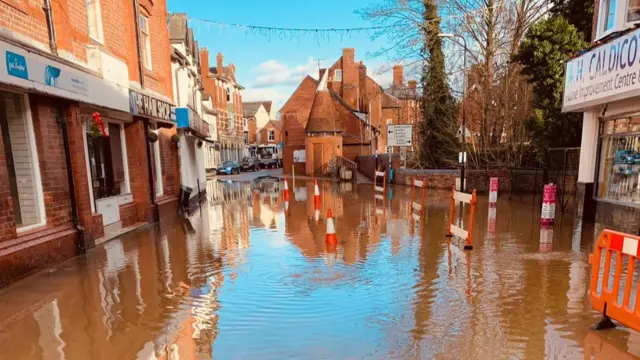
(286, 190)
(331, 238)
(317, 215)
(330, 256)
(316, 194)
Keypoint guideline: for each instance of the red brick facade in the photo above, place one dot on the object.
(24, 22)
(264, 134)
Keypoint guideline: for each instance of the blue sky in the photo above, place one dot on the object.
(271, 68)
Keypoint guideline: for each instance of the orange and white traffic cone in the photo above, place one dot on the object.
(317, 215)
(331, 238)
(330, 257)
(286, 190)
(316, 194)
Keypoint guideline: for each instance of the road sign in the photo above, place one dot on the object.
(399, 135)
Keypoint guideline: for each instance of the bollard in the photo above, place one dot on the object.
(316, 194)
(548, 205)
(491, 222)
(493, 190)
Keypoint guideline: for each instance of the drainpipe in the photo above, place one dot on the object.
(136, 13)
(152, 189)
(62, 121)
(52, 31)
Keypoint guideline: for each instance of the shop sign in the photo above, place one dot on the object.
(27, 66)
(609, 72)
(145, 105)
(189, 119)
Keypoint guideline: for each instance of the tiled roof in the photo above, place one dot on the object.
(402, 92)
(226, 72)
(250, 108)
(178, 26)
(323, 116)
(267, 105)
(390, 101)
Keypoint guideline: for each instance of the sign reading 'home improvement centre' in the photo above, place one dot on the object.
(607, 73)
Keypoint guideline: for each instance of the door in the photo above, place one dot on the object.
(317, 158)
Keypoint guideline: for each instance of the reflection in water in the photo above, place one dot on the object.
(250, 276)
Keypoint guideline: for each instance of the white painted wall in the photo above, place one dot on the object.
(588, 147)
(262, 117)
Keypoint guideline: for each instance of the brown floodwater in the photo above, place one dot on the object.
(250, 277)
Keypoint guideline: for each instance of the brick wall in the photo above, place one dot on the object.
(138, 169)
(169, 162)
(52, 161)
(128, 214)
(26, 19)
(287, 160)
(295, 112)
(264, 134)
(331, 145)
(160, 77)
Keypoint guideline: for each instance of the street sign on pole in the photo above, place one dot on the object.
(399, 135)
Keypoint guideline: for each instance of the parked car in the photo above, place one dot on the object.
(228, 168)
(250, 164)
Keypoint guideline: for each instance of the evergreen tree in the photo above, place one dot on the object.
(439, 147)
(546, 48)
(578, 13)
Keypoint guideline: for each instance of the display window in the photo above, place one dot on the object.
(619, 160)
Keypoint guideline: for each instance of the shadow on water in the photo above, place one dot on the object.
(251, 276)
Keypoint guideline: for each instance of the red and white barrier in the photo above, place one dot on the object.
(546, 238)
(493, 190)
(548, 204)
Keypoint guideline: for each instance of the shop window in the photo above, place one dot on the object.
(619, 166)
(272, 135)
(94, 18)
(107, 162)
(145, 41)
(21, 161)
(156, 164)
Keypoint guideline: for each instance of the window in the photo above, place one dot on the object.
(246, 138)
(156, 164)
(232, 123)
(107, 162)
(245, 123)
(337, 75)
(272, 135)
(619, 165)
(144, 41)
(228, 94)
(608, 14)
(633, 11)
(94, 17)
(21, 157)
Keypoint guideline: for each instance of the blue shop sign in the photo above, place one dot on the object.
(188, 119)
(17, 65)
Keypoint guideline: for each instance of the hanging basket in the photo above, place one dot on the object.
(175, 138)
(153, 136)
(200, 143)
(96, 126)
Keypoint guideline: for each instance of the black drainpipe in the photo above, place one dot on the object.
(52, 31)
(152, 191)
(62, 120)
(136, 13)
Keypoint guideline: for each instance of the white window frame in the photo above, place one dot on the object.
(620, 20)
(337, 75)
(125, 161)
(35, 164)
(146, 43)
(98, 14)
(271, 135)
(228, 94)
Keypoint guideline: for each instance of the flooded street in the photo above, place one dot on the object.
(250, 277)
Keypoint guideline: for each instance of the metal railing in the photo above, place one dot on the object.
(342, 162)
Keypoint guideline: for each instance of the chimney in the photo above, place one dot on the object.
(204, 62)
(362, 88)
(398, 75)
(233, 68)
(349, 77)
(413, 84)
(219, 63)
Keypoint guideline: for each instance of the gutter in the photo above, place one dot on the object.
(52, 31)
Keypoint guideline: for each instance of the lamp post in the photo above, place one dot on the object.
(464, 113)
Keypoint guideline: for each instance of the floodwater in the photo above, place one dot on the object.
(250, 277)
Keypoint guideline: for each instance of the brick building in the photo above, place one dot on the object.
(347, 111)
(220, 83)
(78, 106)
(400, 105)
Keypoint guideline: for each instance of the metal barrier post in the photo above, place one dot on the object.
(452, 204)
(468, 245)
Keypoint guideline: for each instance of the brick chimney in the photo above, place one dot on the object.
(349, 77)
(204, 62)
(219, 59)
(398, 75)
(362, 87)
(413, 84)
(232, 66)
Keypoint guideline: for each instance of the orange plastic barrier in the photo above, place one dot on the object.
(597, 347)
(457, 196)
(415, 206)
(378, 192)
(605, 294)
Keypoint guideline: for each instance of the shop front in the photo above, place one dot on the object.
(157, 164)
(604, 84)
(194, 133)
